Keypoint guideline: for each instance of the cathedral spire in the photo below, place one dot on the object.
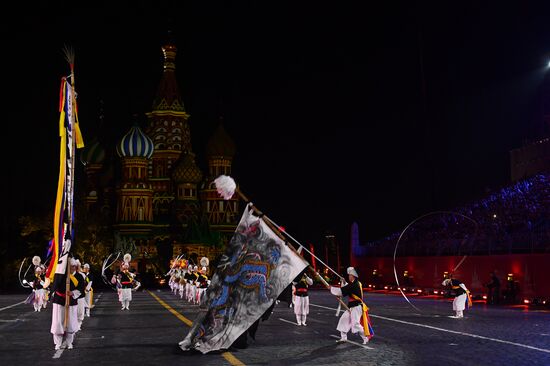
(168, 97)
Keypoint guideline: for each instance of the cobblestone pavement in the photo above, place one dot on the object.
(149, 332)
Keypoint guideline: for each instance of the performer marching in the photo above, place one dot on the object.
(301, 300)
(202, 284)
(461, 294)
(60, 334)
(81, 301)
(89, 289)
(356, 318)
(126, 282)
(62, 269)
(37, 284)
(192, 295)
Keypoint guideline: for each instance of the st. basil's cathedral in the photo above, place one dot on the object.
(156, 196)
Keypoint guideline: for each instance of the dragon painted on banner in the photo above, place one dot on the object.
(256, 267)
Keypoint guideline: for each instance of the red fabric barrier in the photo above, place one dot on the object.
(531, 271)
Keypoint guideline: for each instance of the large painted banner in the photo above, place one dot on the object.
(256, 267)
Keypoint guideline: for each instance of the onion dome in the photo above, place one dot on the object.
(135, 144)
(220, 144)
(186, 170)
(93, 154)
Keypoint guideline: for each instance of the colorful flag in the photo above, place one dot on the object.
(256, 267)
(70, 136)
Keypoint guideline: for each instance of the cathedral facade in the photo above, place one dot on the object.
(159, 203)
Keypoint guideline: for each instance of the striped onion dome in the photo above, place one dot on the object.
(186, 170)
(93, 153)
(135, 144)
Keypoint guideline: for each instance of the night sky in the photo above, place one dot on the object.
(372, 114)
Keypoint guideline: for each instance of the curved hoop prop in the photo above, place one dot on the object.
(407, 227)
(23, 284)
(174, 264)
(27, 271)
(105, 266)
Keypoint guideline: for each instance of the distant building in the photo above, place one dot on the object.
(152, 192)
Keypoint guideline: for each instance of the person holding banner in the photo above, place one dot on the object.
(461, 296)
(59, 316)
(356, 318)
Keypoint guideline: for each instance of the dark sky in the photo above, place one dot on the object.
(327, 103)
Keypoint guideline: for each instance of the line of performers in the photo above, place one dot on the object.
(65, 324)
(188, 281)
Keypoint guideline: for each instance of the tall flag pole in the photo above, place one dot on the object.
(70, 139)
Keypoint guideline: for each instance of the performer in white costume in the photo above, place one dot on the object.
(301, 299)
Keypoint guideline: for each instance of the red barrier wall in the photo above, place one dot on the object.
(532, 271)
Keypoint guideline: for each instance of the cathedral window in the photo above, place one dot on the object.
(127, 209)
(140, 214)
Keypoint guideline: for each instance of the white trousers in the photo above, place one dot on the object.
(126, 294)
(39, 299)
(459, 303)
(80, 310)
(351, 321)
(301, 305)
(58, 321)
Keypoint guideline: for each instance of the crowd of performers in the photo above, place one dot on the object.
(188, 281)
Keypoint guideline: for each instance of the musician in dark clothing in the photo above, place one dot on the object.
(37, 284)
(351, 320)
(89, 289)
(301, 301)
(58, 290)
(461, 296)
(202, 284)
(81, 301)
(127, 283)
